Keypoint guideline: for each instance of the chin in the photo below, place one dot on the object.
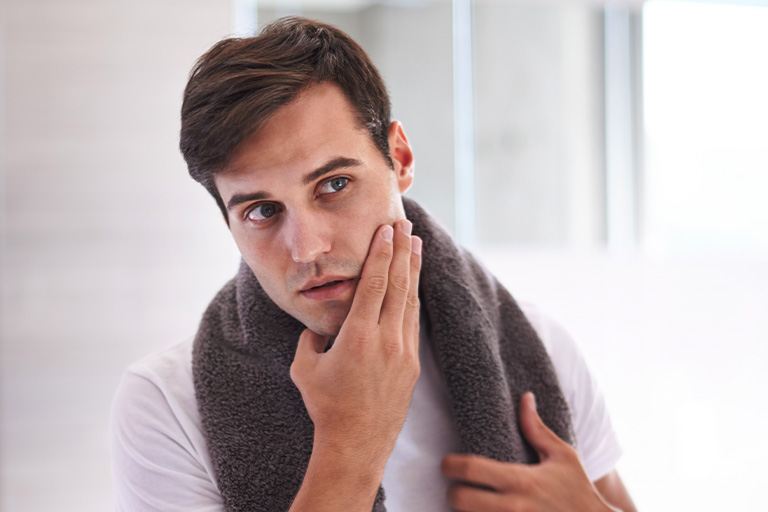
(323, 329)
(331, 323)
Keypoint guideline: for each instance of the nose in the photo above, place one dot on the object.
(306, 235)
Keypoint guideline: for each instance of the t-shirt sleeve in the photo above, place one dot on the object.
(596, 441)
(155, 454)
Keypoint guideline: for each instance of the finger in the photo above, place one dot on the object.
(393, 308)
(411, 317)
(310, 345)
(369, 295)
(466, 498)
(482, 471)
(535, 431)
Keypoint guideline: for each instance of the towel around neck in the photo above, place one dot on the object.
(258, 431)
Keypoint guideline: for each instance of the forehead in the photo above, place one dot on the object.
(318, 125)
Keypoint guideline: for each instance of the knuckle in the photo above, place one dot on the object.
(376, 284)
(570, 454)
(413, 301)
(400, 283)
(295, 373)
(416, 373)
(392, 347)
(362, 337)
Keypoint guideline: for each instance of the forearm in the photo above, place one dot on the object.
(612, 491)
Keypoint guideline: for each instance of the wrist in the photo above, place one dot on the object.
(366, 443)
(361, 456)
(338, 479)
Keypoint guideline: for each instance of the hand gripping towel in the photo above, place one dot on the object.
(258, 431)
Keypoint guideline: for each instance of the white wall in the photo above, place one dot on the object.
(110, 250)
(539, 138)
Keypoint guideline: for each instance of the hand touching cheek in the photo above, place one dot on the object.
(358, 392)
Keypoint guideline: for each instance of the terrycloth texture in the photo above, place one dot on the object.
(258, 431)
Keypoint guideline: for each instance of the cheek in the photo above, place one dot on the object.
(261, 255)
(364, 229)
(270, 276)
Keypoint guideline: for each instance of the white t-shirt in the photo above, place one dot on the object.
(160, 461)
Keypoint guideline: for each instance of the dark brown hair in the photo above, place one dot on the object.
(240, 82)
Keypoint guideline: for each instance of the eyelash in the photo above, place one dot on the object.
(248, 212)
(346, 182)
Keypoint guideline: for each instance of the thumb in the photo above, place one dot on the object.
(310, 345)
(535, 431)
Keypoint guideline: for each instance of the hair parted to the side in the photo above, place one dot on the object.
(240, 83)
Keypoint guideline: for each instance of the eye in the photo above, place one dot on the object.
(261, 212)
(334, 185)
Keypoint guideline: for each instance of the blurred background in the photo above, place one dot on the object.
(609, 162)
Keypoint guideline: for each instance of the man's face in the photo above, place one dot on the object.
(305, 195)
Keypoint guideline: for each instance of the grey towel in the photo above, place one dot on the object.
(258, 431)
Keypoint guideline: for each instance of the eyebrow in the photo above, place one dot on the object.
(329, 167)
(336, 163)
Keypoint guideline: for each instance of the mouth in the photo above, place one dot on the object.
(328, 288)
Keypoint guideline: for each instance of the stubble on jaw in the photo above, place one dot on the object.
(333, 313)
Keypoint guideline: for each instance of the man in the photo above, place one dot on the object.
(359, 359)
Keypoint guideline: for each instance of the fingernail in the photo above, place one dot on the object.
(387, 233)
(416, 245)
(406, 227)
(533, 400)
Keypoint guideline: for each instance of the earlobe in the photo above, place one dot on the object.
(402, 156)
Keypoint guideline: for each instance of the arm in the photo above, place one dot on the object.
(358, 392)
(557, 483)
(612, 489)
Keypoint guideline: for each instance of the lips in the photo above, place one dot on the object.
(327, 288)
(330, 283)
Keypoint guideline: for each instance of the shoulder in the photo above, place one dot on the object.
(159, 385)
(168, 361)
(561, 347)
(597, 443)
(159, 454)
(168, 369)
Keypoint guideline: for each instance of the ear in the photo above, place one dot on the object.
(402, 156)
